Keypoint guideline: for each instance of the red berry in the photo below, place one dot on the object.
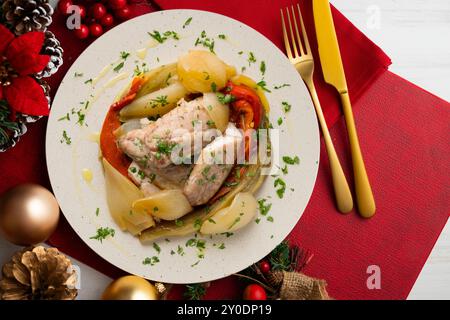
(82, 32)
(123, 13)
(82, 11)
(117, 4)
(255, 292)
(98, 10)
(64, 5)
(264, 266)
(96, 30)
(107, 20)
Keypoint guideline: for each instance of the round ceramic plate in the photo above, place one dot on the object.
(101, 73)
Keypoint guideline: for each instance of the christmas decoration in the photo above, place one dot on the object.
(38, 274)
(97, 16)
(131, 288)
(51, 47)
(27, 15)
(96, 30)
(196, 291)
(254, 292)
(27, 55)
(278, 276)
(82, 32)
(28, 214)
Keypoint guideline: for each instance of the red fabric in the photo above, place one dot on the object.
(407, 162)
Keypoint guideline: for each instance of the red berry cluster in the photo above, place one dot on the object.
(96, 16)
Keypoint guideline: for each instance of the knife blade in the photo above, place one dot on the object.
(330, 55)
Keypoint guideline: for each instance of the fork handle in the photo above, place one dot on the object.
(364, 195)
(342, 192)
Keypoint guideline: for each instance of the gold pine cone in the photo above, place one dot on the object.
(38, 273)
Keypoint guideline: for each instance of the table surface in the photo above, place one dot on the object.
(409, 32)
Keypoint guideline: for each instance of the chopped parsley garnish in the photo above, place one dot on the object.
(124, 55)
(282, 86)
(205, 42)
(222, 36)
(227, 234)
(213, 87)
(187, 22)
(65, 138)
(103, 233)
(240, 53)
(180, 250)
(263, 85)
(78, 75)
(197, 224)
(160, 100)
(263, 207)
(251, 58)
(150, 261)
(270, 218)
(211, 123)
(262, 67)
(286, 106)
(156, 247)
(179, 223)
(81, 117)
(212, 220)
(66, 117)
(194, 264)
(281, 187)
(234, 222)
(258, 220)
(165, 147)
(280, 121)
(97, 211)
(225, 98)
(161, 38)
(291, 161)
(285, 169)
(119, 66)
(221, 246)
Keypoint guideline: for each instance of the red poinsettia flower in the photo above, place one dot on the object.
(20, 58)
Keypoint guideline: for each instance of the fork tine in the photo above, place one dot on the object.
(305, 35)
(292, 32)
(299, 39)
(285, 36)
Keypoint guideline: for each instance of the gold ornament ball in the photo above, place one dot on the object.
(29, 214)
(130, 288)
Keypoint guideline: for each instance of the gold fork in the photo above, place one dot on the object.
(303, 61)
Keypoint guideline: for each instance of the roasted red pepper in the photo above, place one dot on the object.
(130, 96)
(247, 105)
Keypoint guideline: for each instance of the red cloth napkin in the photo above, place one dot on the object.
(407, 162)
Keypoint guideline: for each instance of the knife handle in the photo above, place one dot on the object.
(364, 195)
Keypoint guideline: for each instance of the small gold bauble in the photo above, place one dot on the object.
(130, 288)
(29, 214)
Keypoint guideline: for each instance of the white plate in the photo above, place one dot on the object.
(299, 135)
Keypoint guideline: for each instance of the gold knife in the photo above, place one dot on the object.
(333, 72)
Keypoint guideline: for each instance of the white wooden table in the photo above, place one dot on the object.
(415, 34)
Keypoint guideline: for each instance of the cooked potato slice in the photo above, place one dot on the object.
(120, 193)
(165, 205)
(157, 79)
(236, 216)
(154, 104)
(137, 229)
(219, 113)
(199, 70)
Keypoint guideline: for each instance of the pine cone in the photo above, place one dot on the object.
(38, 274)
(51, 47)
(23, 16)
